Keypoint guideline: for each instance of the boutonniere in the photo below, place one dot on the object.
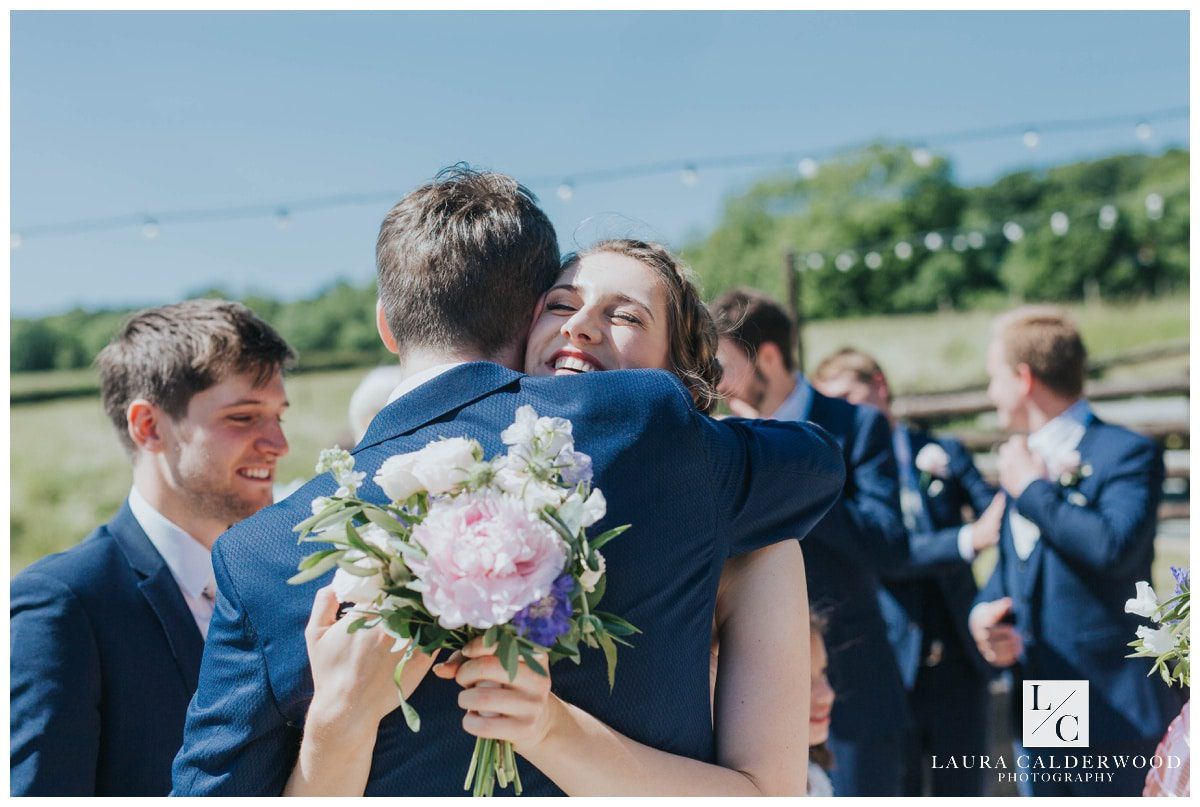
(1070, 470)
(934, 464)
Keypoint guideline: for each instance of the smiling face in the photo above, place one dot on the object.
(606, 312)
(218, 461)
(821, 698)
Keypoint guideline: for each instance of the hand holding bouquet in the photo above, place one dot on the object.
(469, 548)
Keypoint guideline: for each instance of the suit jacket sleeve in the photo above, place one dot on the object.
(235, 741)
(54, 691)
(937, 550)
(866, 523)
(1101, 535)
(772, 480)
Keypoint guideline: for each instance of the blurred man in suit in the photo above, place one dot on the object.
(926, 601)
(106, 637)
(1078, 534)
(861, 537)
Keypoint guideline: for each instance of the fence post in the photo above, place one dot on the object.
(795, 302)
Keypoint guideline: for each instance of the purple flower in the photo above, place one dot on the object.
(1182, 578)
(576, 466)
(550, 617)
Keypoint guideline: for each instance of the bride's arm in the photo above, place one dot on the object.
(352, 691)
(761, 709)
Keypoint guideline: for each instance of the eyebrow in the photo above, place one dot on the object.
(624, 298)
(251, 402)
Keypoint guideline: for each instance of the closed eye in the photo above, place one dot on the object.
(630, 318)
(559, 307)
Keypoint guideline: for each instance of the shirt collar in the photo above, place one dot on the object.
(189, 561)
(417, 379)
(1064, 432)
(798, 404)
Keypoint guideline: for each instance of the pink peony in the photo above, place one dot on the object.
(487, 558)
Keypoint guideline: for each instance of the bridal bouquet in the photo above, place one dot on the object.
(467, 547)
(1170, 644)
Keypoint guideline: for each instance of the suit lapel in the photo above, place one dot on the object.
(437, 398)
(162, 593)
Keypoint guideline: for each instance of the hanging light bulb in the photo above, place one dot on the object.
(1013, 232)
(1031, 138)
(873, 260)
(689, 176)
(566, 191)
(1108, 217)
(15, 241)
(933, 241)
(283, 219)
(960, 243)
(975, 240)
(815, 261)
(904, 250)
(922, 157)
(150, 229)
(845, 261)
(1060, 223)
(808, 168)
(1143, 131)
(1154, 207)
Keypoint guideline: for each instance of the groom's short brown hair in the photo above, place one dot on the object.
(462, 262)
(1045, 339)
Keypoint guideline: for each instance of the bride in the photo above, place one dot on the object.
(621, 304)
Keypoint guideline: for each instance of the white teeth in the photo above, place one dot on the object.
(257, 473)
(572, 363)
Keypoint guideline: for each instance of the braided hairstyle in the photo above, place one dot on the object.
(691, 332)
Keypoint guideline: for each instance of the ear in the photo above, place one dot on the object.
(143, 421)
(1025, 379)
(770, 357)
(385, 333)
(885, 391)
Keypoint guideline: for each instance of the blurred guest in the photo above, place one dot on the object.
(106, 637)
(861, 537)
(1077, 535)
(926, 601)
(821, 697)
(370, 396)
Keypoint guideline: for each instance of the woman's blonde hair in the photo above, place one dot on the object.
(691, 332)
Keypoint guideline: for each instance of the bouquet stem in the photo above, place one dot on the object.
(493, 761)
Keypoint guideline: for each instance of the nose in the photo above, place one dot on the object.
(581, 328)
(271, 440)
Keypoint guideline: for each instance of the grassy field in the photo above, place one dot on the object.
(69, 473)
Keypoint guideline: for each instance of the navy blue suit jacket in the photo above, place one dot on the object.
(695, 490)
(1069, 594)
(105, 657)
(934, 560)
(862, 537)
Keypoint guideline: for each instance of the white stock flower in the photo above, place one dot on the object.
(1157, 641)
(521, 431)
(1145, 603)
(445, 465)
(362, 591)
(590, 576)
(520, 485)
(933, 460)
(396, 477)
(577, 513)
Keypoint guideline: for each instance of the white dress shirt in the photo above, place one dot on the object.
(189, 561)
(1052, 442)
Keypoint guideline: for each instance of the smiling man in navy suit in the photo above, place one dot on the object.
(862, 537)
(1077, 535)
(106, 637)
(926, 601)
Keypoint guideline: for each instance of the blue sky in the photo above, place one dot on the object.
(140, 113)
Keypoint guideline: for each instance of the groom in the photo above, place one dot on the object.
(462, 262)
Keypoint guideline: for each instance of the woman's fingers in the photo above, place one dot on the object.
(324, 614)
(475, 648)
(449, 668)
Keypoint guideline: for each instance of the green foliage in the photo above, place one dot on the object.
(871, 200)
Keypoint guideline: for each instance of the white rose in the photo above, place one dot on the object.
(1145, 603)
(590, 576)
(445, 465)
(396, 477)
(361, 591)
(1156, 641)
(933, 460)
